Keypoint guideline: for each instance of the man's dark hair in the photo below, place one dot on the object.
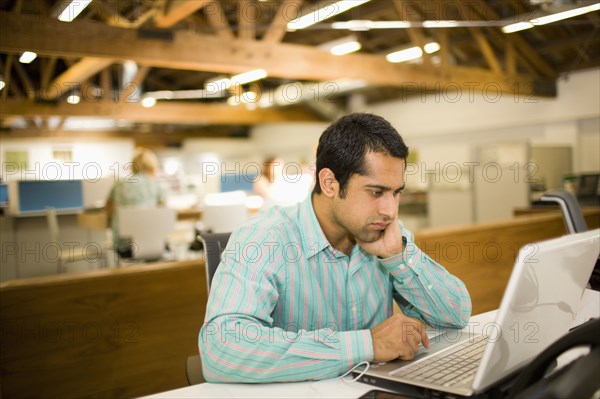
(344, 144)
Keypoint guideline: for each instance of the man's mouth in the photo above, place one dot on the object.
(380, 225)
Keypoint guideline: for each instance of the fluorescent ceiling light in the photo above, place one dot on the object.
(440, 24)
(344, 45)
(183, 94)
(248, 97)
(148, 102)
(249, 76)
(565, 14)
(412, 53)
(518, 26)
(73, 98)
(233, 101)
(363, 25)
(345, 48)
(217, 85)
(27, 57)
(431, 47)
(321, 14)
(72, 9)
(546, 19)
(405, 55)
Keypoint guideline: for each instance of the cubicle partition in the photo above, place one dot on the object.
(30, 197)
(29, 248)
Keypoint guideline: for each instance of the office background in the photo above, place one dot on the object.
(493, 120)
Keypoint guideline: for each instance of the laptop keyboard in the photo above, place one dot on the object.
(447, 368)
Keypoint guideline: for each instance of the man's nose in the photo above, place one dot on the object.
(389, 206)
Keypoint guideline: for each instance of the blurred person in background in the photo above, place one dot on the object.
(283, 184)
(139, 188)
(272, 170)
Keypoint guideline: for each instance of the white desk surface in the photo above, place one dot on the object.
(336, 388)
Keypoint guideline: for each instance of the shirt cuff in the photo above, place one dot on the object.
(355, 347)
(405, 262)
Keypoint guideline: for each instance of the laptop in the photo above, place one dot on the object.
(538, 307)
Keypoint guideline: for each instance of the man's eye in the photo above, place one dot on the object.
(398, 193)
(376, 193)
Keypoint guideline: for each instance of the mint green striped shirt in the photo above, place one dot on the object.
(285, 305)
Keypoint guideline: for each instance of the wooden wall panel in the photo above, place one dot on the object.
(108, 334)
(482, 255)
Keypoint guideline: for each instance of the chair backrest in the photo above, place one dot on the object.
(223, 218)
(574, 221)
(214, 244)
(148, 229)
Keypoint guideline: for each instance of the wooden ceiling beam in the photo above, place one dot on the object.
(7, 76)
(75, 75)
(247, 14)
(192, 51)
(132, 89)
(162, 112)
(525, 50)
(510, 57)
(47, 71)
(87, 67)
(105, 85)
(218, 20)
(483, 44)
(278, 28)
(486, 50)
(415, 34)
(444, 48)
(177, 11)
(156, 135)
(25, 80)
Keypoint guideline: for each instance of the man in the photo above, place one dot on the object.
(306, 292)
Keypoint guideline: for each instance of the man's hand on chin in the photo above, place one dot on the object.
(388, 244)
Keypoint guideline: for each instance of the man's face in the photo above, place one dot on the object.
(371, 201)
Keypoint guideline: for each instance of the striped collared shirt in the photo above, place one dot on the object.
(285, 305)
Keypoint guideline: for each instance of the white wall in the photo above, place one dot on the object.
(450, 127)
(89, 158)
(466, 119)
(295, 142)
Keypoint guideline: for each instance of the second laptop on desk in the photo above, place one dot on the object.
(538, 307)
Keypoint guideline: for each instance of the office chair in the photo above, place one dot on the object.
(223, 218)
(147, 228)
(574, 223)
(71, 254)
(573, 217)
(213, 245)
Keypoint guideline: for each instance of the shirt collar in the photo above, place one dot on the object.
(313, 238)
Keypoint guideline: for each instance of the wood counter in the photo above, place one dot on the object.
(110, 333)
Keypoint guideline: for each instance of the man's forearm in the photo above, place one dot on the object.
(244, 350)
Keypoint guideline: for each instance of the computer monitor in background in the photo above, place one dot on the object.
(33, 197)
(3, 195)
(148, 229)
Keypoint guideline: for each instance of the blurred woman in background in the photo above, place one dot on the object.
(140, 188)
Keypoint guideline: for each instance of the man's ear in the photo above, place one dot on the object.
(329, 185)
